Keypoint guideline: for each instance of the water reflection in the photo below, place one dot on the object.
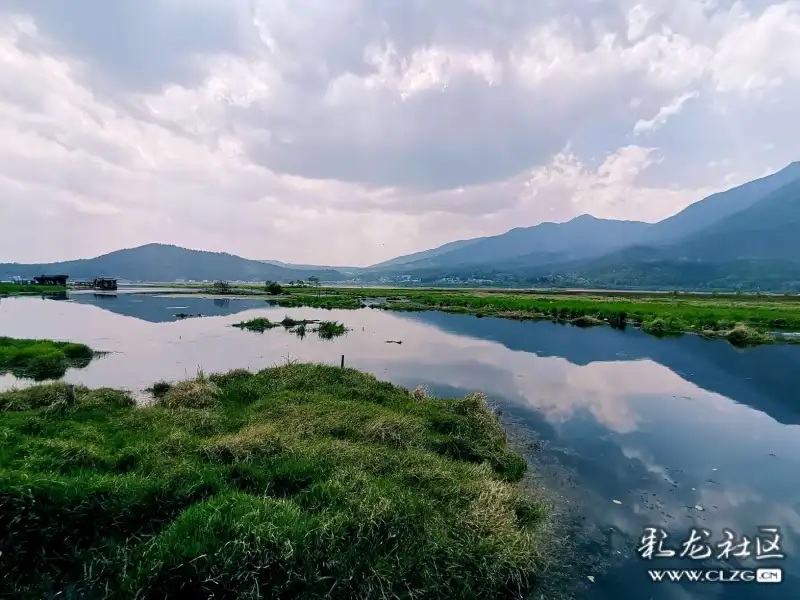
(163, 309)
(764, 378)
(662, 426)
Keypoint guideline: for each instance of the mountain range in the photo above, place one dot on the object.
(746, 237)
(162, 262)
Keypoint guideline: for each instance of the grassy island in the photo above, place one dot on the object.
(259, 325)
(299, 481)
(41, 359)
(326, 330)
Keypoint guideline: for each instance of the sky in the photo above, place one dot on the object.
(348, 132)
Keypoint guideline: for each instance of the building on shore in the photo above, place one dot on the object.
(59, 280)
(105, 283)
(98, 283)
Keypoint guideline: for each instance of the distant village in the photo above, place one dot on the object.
(112, 283)
(98, 283)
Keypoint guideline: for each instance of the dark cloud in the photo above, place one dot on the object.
(225, 119)
(140, 44)
(470, 133)
(460, 131)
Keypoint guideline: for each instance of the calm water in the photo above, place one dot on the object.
(662, 426)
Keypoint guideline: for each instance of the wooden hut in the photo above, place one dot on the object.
(105, 283)
(59, 280)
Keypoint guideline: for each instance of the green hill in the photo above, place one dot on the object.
(160, 262)
(541, 244)
(745, 237)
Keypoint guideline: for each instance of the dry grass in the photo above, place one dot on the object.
(199, 392)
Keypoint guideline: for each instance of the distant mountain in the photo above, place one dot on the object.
(160, 262)
(583, 236)
(748, 236)
(300, 267)
(757, 247)
(426, 254)
(767, 229)
(717, 207)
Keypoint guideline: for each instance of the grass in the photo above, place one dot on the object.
(326, 330)
(330, 329)
(259, 325)
(288, 322)
(13, 289)
(330, 301)
(41, 359)
(741, 319)
(300, 481)
(159, 388)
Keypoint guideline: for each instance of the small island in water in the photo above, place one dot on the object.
(42, 359)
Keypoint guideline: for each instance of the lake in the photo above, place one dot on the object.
(680, 432)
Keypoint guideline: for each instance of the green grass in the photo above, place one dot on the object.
(330, 329)
(13, 289)
(259, 324)
(300, 481)
(41, 359)
(329, 301)
(750, 316)
(160, 388)
(326, 330)
(289, 322)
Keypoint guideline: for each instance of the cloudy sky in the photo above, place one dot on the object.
(350, 131)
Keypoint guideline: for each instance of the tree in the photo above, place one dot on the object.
(222, 287)
(314, 281)
(273, 287)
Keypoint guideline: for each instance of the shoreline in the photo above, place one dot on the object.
(744, 320)
(9, 290)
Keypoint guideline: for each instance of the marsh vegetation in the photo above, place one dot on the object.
(330, 329)
(741, 319)
(259, 324)
(15, 289)
(299, 481)
(325, 329)
(41, 359)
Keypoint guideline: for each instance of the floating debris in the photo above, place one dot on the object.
(590, 578)
(616, 502)
(698, 507)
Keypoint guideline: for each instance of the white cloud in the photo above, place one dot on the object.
(253, 127)
(761, 52)
(612, 190)
(663, 114)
